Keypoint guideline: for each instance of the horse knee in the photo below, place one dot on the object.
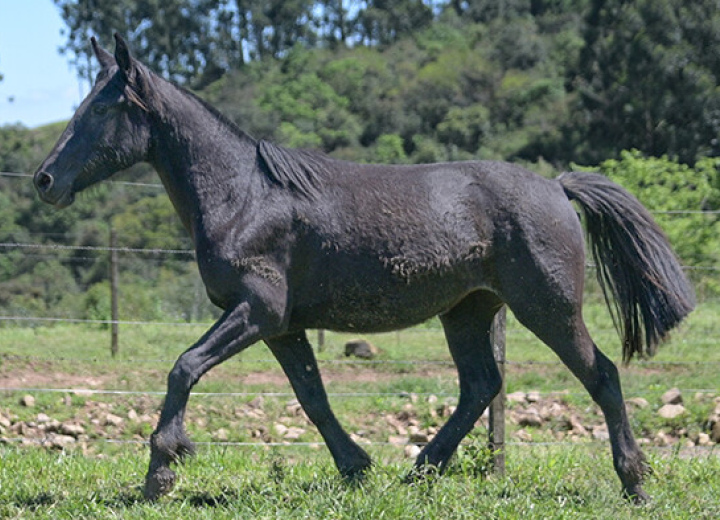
(183, 375)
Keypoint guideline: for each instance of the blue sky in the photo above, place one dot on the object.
(38, 78)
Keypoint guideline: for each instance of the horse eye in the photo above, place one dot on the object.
(99, 109)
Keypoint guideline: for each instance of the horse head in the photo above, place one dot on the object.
(109, 132)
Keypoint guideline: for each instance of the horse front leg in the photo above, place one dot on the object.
(233, 332)
(296, 357)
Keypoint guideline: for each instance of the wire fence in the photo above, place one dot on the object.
(50, 251)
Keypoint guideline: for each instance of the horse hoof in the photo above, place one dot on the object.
(421, 473)
(352, 475)
(636, 495)
(158, 483)
(355, 473)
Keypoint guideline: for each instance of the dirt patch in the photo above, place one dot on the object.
(36, 375)
(354, 375)
(38, 378)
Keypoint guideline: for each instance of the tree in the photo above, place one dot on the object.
(383, 22)
(670, 188)
(335, 21)
(488, 10)
(182, 39)
(647, 78)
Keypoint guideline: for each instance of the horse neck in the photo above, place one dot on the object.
(204, 162)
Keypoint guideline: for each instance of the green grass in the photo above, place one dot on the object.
(100, 479)
(147, 352)
(545, 482)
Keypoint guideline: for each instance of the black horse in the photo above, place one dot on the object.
(288, 240)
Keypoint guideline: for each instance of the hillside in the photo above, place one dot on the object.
(522, 85)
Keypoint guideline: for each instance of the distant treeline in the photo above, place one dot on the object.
(561, 80)
(551, 84)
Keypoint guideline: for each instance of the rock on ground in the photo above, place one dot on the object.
(672, 396)
(671, 411)
(360, 348)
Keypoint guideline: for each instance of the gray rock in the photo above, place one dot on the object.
(703, 439)
(638, 402)
(412, 451)
(293, 433)
(672, 396)
(533, 397)
(360, 348)
(221, 435)
(60, 441)
(113, 420)
(529, 419)
(600, 433)
(671, 411)
(73, 430)
(516, 397)
(715, 433)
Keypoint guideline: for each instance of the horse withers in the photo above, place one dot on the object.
(289, 240)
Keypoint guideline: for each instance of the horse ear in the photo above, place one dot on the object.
(123, 57)
(138, 90)
(103, 56)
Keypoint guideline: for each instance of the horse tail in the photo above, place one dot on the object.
(635, 263)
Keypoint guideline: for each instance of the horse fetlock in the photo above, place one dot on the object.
(633, 469)
(169, 447)
(356, 469)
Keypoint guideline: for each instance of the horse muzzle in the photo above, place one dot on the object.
(50, 192)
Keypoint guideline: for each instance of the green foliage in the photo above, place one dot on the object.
(150, 223)
(543, 83)
(225, 483)
(647, 79)
(389, 149)
(311, 113)
(665, 186)
(385, 21)
(96, 302)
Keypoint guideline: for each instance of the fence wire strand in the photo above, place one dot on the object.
(149, 252)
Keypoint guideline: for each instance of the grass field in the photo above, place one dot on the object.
(99, 478)
(542, 482)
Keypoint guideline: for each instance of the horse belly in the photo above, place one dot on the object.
(379, 301)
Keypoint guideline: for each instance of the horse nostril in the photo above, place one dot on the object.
(44, 181)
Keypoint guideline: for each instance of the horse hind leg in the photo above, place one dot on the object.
(564, 330)
(467, 329)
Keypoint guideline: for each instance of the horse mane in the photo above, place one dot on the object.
(215, 112)
(300, 171)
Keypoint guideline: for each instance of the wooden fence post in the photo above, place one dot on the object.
(114, 329)
(496, 426)
(321, 340)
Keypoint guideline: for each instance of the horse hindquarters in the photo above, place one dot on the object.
(541, 275)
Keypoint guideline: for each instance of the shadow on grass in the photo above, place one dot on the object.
(224, 498)
(33, 503)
